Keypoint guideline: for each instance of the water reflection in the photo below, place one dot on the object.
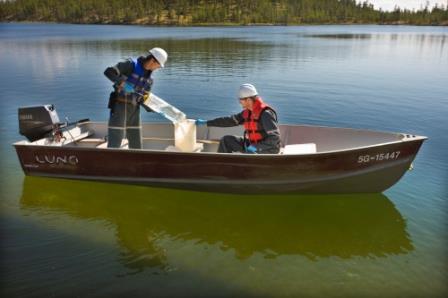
(148, 219)
(427, 40)
(205, 57)
(421, 38)
(192, 55)
(342, 36)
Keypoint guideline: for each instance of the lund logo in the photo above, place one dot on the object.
(52, 159)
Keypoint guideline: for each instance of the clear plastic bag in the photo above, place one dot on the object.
(160, 106)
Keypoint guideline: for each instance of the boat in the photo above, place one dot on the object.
(314, 159)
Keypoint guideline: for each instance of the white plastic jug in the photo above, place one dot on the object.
(185, 135)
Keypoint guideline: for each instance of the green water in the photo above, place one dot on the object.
(87, 239)
(167, 242)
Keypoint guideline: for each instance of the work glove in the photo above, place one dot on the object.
(128, 88)
(251, 149)
(146, 97)
(201, 122)
(143, 100)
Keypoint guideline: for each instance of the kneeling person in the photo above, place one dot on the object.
(261, 134)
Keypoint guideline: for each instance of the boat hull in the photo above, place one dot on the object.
(360, 170)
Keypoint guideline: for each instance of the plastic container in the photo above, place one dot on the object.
(185, 135)
(162, 107)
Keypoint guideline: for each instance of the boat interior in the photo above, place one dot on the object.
(296, 139)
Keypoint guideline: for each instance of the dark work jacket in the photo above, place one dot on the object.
(121, 71)
(268, 120)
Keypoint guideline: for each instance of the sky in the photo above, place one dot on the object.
(409, 4)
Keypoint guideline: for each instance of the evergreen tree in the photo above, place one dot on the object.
(237, 12)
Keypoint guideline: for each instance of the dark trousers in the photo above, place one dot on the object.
(229, 144)
(124, 122)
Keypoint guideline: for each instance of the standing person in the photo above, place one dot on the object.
(261, 134)
(132, 85)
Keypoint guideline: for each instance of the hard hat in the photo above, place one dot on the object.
(247, 90)
(160, 55)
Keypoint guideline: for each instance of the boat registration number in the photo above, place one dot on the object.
(378, 157)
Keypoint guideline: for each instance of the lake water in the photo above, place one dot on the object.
(71, 238)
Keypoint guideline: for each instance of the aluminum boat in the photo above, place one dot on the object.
(314, 159)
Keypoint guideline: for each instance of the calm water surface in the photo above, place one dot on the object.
(62, 238)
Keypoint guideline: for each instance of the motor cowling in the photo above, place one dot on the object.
(37, 122)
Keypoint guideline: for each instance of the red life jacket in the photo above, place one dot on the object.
(254, 132)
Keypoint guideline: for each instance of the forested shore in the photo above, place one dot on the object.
(215, 12)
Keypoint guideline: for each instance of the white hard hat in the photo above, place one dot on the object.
(247, 90)
(160, 55)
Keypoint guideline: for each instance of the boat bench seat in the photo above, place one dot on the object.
(124, 144)
(299, 149)
(91, 141)
(70, 138)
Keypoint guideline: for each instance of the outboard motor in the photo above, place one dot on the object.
(37, 122)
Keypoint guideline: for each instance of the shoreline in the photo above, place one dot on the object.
(444, 24)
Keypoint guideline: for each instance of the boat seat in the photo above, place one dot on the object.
(197, 148)
(299, 149)
(172, 139)
(92, 140)
(70, 138)
(124, 144)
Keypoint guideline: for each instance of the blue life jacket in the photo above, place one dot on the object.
(140, 78)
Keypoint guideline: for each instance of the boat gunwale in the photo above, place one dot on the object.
(404, 139)
(237, 155)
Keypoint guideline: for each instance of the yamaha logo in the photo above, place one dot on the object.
(56, 159)
(26, 117)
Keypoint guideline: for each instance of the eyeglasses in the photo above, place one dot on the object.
(244, 98)
(153, 58)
